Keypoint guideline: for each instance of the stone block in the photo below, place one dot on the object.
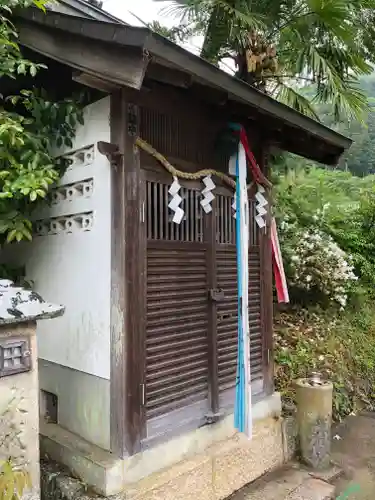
(312, 489)
(239, 461)
(19, 416)
(192, 484)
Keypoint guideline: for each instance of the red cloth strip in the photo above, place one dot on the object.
(258, 175)
(278, 266)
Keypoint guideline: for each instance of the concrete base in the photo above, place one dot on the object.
(83, 401)
(209, 463)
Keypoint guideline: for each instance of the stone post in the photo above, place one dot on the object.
(19, 395)
(314, 419)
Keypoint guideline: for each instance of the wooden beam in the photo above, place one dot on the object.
(127, 284)
(169, 76)
(118, 65)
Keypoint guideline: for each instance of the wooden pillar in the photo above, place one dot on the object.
(266, 285)
(127, 282)
(213, 369)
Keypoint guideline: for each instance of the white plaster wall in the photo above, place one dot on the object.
(73, 268)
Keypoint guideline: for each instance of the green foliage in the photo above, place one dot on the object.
(325, 43)
(341, 346)
(356, 234)
(11, 61)
(339, 205)
(31, 127)
(314, 336)
(359, 159)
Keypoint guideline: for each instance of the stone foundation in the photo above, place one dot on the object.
(207, 464)
(224, 468)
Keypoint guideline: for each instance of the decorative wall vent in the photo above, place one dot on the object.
(15, 356)
(65, 224)
(81, 157)
(70, 192)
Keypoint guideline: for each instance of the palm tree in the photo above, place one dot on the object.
(325, 44)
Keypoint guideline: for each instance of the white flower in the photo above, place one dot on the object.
(318, 259)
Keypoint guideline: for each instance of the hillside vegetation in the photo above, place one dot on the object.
(326, 222)
(360, 159)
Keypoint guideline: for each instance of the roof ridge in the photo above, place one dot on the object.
(87, 9)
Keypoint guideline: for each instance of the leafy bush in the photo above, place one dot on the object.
(356, 234)
(31, 125)
(27, 166)
(319, 270)
(327, 233)
(341, 346)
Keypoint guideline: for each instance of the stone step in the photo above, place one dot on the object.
(291, 483)
(312, 489)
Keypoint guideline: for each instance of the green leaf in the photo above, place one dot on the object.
(33, 70)
(4, 226)
(33, 195)
(68, 142)
(21, 70)
(27, 234)
(11, 235)
(40, 4)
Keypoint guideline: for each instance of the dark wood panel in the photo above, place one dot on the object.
(188, 135)
(228, 318)
(177, 321)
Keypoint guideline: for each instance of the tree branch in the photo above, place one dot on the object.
(295, 77)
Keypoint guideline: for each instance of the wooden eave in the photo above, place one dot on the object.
(126, 55)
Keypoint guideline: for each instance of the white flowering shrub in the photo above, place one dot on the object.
(316, 266)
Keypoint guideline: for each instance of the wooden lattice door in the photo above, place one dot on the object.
(191, 297)
(177, 307)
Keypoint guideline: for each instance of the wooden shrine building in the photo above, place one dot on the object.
(141, 369)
